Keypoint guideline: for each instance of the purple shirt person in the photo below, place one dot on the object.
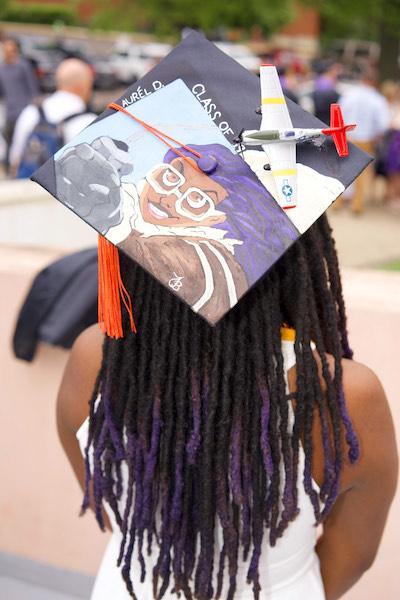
(325, 92)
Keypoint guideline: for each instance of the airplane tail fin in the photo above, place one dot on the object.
(338, 130)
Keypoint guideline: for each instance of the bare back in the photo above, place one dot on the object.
(353, 529)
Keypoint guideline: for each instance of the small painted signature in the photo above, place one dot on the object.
(176, 282)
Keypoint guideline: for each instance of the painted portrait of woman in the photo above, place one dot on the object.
(206, 236)
(196, 233)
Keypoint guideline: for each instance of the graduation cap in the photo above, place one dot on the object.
(188, 177)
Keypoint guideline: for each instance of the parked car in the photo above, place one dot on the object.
(45, 54)
(242, 54)
(97, 57)
(155, 50)
(127, 64)
(131, 61)
(105, 77)
(44, 57)
(355, 52)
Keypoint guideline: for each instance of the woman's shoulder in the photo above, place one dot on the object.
(79, 378)
(369, 411)
(371, 418)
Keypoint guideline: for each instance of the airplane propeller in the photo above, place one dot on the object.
(239, 138)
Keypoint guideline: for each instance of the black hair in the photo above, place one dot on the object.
(197, 419)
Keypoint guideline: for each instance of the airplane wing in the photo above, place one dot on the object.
(336, 116)
(275, 114)
(281, 157)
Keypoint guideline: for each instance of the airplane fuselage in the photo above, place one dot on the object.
(275, 136)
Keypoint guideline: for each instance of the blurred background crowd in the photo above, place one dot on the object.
(61, 63)
(305, 40)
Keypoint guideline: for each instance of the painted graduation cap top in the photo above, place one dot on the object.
(167, 182)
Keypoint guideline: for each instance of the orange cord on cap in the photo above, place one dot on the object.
(111, 287)
(159, 134)
(111, 291)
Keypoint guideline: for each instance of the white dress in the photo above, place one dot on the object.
(288, 571)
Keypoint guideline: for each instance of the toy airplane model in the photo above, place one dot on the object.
(280, 143)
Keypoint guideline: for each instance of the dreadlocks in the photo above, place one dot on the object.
(195, 419)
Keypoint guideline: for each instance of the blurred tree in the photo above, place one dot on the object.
(375, 20)
(389, 63)
(49, 13)
(169, 17)
(3, 6)
(122, 15)
(210, 15)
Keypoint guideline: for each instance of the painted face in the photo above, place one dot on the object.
(179, 195)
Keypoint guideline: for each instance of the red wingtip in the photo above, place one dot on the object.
(338, 130)
(336, 116)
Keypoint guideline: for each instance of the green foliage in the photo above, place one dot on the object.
(3, 6)
(374, 20)
(108, 19)
(361, 19)
(38, 13)
(124, 15)
(211, 14)
(169, 17)
(394, 265)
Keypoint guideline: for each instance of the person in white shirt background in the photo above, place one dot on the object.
(368, 108)
(74, 85)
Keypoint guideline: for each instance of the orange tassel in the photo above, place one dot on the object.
(111, 291)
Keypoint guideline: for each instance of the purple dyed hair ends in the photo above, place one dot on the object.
(190, 426)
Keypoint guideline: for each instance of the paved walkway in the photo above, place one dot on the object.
(24, 579)
(14, 589)
(368, 240)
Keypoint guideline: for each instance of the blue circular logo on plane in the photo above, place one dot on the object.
(287, 190)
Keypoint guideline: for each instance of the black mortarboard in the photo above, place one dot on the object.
(162, 173)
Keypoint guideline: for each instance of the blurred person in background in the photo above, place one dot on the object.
(367, 107)
(391, 147)
(325, 92)
(18, 86)
(66, 107)
(391, 90)
(288, 83)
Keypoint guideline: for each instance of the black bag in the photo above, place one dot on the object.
(60, 304)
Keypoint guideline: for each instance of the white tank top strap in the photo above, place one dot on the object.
(289, 360)
(289, 355)
(288, 336)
